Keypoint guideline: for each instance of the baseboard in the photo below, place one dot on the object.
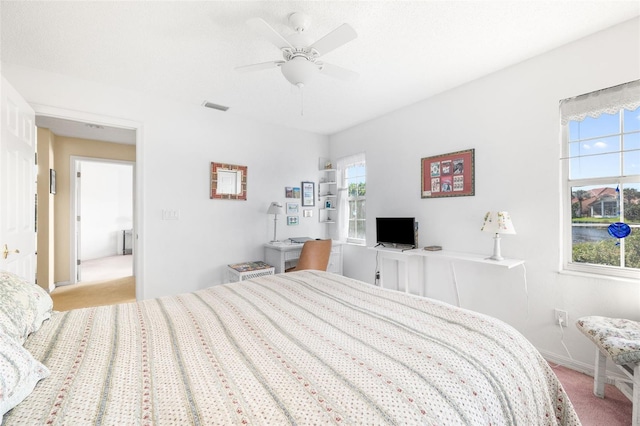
(63, 283)
(579, 366)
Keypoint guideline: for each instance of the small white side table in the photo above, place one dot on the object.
(248, 270)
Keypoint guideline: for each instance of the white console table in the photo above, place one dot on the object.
(280, 255)
(468, 257)
(402, 259)
(407, 256)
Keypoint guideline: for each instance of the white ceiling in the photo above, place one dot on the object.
(405, 51)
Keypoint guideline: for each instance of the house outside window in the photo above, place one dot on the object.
(601, 170)
(352, 199)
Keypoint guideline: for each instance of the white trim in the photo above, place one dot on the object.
(581, 367)
(74, 161)
(68, 114)
(597, 272)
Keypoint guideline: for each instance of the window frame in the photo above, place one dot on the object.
(356, 199)
(567, 264)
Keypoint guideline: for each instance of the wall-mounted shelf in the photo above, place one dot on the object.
(469, 257)
(327, 191)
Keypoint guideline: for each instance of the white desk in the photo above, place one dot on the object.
(402, 259)
(284, 255)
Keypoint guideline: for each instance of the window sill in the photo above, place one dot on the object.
(602, 277)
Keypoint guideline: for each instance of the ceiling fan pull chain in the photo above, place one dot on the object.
(302, 101)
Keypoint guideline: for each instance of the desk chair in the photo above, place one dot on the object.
(618, 339)
(314, 255)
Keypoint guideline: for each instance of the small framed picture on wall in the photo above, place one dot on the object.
(52, 181)
(292, 209)
(308, 194)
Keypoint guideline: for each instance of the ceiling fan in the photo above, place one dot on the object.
(301, 56)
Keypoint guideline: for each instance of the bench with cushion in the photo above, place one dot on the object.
(618, 339)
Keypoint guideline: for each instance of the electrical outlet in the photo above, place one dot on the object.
(561, 315)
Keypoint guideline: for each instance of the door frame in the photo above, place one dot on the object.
(138, 202)
(74, 200)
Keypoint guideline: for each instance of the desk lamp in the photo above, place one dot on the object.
(275, 209)
(498, 223)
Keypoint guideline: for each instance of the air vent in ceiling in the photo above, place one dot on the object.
(211, 105)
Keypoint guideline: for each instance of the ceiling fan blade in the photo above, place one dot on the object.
(338, 72)
(261, 27)
(260, 66)
(336, 38)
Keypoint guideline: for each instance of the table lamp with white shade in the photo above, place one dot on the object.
(497, 223)
(275, 209)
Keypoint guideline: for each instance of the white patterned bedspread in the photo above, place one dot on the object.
(297, 348)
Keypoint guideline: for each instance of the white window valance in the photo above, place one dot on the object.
(605, 101)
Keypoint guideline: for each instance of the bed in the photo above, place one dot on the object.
(301, 348)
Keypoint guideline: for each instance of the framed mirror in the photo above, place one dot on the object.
(228, 182)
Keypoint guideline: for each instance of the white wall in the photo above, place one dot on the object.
(511, 119)
(178, 143)
(106, 207)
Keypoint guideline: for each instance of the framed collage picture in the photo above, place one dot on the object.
(448, 175)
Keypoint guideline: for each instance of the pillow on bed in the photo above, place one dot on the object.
(19, 373)
(23, 306)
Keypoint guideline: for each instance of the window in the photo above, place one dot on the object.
(352, 199)
(601, 169)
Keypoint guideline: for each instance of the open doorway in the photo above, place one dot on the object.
(101, 140)
(104, 212)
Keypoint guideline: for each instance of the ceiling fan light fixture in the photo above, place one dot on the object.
(299, 71)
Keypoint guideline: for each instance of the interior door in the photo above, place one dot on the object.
(17, 184)
(78, 214)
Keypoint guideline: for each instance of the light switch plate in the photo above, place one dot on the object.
(170, 214)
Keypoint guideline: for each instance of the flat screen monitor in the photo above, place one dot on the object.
(396, 231)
